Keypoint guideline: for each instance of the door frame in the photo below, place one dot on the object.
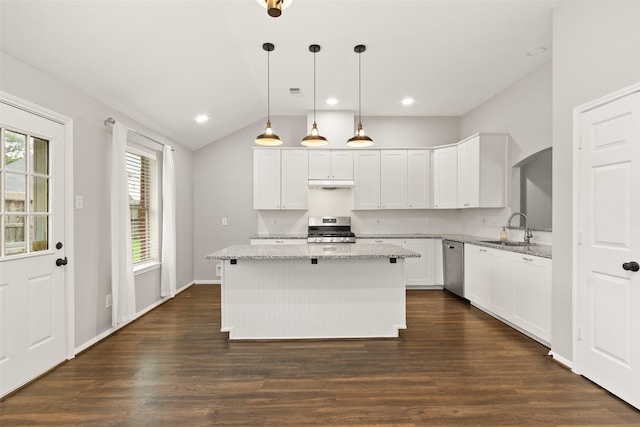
(576, 366)
(69, 271)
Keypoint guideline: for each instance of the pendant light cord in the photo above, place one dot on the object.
(268, 86)
(314, 87)
(359, 87)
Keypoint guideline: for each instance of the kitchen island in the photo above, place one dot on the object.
(312, 291)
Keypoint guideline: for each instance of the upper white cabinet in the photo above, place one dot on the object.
(445, 177)
(280, 179)
(418, 179)
(393, 179)
(331, 164)
(482, 171)
(366, 175)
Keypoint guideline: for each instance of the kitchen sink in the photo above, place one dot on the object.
(507, 243)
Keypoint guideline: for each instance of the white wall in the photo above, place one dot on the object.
(595, 52)
(523, 110)
(92, 141)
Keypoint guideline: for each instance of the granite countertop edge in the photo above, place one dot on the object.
(312, 251)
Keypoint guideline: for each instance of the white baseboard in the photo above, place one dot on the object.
(207, 282)
(566, 362)
(139, 314)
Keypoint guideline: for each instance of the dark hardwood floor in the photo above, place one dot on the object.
(454, 365)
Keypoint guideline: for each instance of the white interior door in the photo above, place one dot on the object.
(608, 328)
(33, 323)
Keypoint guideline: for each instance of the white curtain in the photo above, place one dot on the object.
(168, 272)
(122, 279)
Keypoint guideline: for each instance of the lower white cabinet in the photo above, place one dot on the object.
(278, 241)
(511, 286)
(419, 272)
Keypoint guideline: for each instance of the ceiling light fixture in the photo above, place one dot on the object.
(274, 7)
(332, 101)
(268, 138)
(407, 101)
(314, 139)
(202, 118)
(360, 139)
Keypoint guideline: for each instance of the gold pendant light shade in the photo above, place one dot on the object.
(268, 138)
(314, 139)
(274, 7)
(360, 140)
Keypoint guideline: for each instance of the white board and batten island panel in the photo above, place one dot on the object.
(312, 291)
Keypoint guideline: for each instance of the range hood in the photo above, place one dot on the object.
(331, 184)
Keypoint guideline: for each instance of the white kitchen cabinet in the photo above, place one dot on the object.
(482, 171)
(511, 286)
(418, 179)
(280, 179)
(532, 294)
(331, 164)
(266, 179)
(278, 241)
(366, 174)
(445, 177)
(419, 272)
(393, 179)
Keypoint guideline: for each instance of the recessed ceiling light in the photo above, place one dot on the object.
(202, 118)
(407, 101)
(332, 101)
(537, 51)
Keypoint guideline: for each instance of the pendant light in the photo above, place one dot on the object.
(274, 7)
(268, 138)
(360, 139)
(314, 139)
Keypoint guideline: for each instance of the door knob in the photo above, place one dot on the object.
(631, 266)
(61, 261)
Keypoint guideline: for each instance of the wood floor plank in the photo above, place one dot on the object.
(453, 366)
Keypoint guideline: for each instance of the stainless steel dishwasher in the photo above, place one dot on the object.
(453, 260)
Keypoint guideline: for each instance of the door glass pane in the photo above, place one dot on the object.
(15, 196)
(39, 233)
(14, 232)
(39, 194)
(39, 156)
(15, 146)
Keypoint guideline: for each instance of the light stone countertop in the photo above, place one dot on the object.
(312, 251)
(544, 251)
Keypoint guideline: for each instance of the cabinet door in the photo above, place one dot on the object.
(320, 164)
(476, 274)
(445, 177)
(366, 171)
(418, 179)
(266, 179)
(393, 179)
(464, 175)
(295, 177)
(420, 271)
(532, 295)
(341, 164)
(500, 286)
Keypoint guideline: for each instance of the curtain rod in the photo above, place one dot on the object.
(111, 121)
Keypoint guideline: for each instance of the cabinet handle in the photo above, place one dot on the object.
(279, 241)
(378, 241)
(483, 250)
(527, 259)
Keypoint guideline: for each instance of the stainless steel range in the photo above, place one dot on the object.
(330, 229)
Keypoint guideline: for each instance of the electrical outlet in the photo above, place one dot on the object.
(219, 270)
(108, 301)
(224, 221)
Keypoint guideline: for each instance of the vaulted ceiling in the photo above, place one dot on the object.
(165, 62)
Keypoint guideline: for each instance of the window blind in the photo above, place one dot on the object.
(142, 180)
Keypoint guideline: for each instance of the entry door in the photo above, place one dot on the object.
(33, 328)
(609, 291)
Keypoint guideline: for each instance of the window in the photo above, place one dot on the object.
(142, 175)
(24, 193)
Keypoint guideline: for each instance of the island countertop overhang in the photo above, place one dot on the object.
(312, 251)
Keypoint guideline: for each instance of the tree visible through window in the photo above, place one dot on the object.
(143, 205)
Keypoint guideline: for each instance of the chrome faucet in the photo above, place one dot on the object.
(528, 234)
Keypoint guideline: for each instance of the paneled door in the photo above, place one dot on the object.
(33, 323)
(608, 298)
